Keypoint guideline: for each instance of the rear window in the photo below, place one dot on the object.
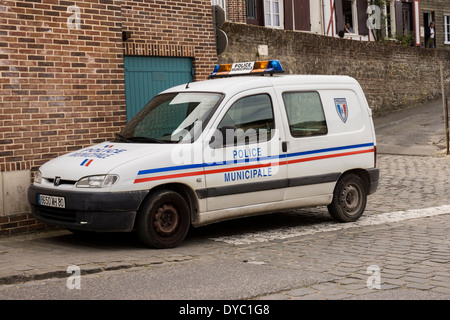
(305, 114)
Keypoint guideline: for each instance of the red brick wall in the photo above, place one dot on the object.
(19, 223)
(62, 89)
(236, 11)
(172, 28)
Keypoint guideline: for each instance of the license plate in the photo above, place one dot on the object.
(51, 201)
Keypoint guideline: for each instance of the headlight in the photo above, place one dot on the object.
(38, 177)
(101, 181)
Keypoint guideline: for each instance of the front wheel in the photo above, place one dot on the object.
(164, 220)
(349, 199)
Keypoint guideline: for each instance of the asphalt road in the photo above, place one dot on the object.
(419, 130)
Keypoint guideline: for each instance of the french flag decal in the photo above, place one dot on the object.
(86, 162)
(109, 146)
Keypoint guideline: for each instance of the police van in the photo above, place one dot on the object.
(232, 146)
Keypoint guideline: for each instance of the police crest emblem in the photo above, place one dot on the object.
(341, 108)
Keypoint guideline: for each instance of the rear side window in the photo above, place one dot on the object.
(305, 114)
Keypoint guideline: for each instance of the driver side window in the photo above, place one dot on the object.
(249, 120)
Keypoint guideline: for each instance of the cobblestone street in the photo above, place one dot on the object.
(412, 254)
(399, 249)
(411, 182)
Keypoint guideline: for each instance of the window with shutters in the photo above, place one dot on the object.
(273, 12)
(351, 16)
(252, 9)
(407, 18)
(447, 29)
(255, 12)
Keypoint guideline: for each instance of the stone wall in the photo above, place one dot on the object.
(392, 76)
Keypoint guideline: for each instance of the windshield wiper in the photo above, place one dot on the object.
(142, 139)
(145, 139)
(121, 137)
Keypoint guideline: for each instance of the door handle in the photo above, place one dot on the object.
(284, 146)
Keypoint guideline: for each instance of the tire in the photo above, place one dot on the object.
(349, 199)
(164, 220)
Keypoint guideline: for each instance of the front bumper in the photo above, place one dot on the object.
(90, 211)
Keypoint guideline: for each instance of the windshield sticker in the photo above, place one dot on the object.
(341, 108)
(99, 153)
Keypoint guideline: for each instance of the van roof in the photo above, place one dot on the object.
(241, 83)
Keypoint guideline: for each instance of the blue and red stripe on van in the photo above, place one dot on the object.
(285, 159)
(86, 162)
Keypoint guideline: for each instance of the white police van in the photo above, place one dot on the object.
(219, 149)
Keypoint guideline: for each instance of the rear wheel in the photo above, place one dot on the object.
(349, 199)
(164, 220)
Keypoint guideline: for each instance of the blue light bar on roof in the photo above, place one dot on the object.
(247, 68)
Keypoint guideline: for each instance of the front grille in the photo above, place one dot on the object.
(57, 214)
(70, 182)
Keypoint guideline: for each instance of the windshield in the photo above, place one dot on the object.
(170, 118)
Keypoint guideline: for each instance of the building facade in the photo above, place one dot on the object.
(401, 20)
(437, 11)
(73, 72)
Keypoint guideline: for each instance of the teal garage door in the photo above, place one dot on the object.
(145, 77)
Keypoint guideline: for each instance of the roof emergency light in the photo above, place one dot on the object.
(247, 68)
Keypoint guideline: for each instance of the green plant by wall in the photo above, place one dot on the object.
(405, 39)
